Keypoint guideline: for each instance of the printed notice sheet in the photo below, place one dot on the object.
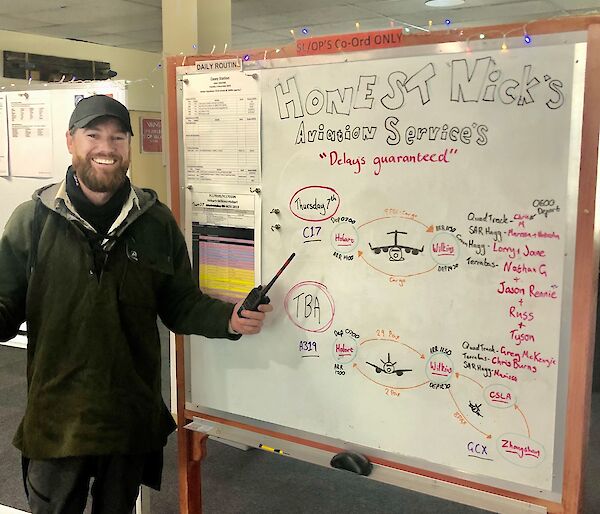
(3, 138)
(223, 242)
(221, 128)
(30, 134)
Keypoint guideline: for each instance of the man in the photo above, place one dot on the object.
(89, 263)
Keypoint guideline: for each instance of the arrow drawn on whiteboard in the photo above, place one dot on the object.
(465, 376)
(393, 341)
(488, 436)
(524, 419)
(355, 366)
(360, 254)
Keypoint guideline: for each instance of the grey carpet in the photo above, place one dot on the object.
(254, 482)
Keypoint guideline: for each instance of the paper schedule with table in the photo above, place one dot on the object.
(29, 126)
(221, 128)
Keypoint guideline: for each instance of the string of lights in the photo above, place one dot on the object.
(444, 25)
(430, 28)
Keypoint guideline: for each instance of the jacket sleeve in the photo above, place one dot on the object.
(14, 252)
(183, 308)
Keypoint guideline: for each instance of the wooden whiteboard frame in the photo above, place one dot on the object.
(585, 284)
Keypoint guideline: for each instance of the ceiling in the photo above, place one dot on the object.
(266, 23)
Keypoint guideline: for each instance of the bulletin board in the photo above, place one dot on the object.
(440, 200)
(58, 100)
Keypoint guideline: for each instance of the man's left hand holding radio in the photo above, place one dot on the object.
(252, 321)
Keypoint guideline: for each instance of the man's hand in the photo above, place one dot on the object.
(252, 321)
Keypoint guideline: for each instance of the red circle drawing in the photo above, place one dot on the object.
(333, 200)
(295, 292)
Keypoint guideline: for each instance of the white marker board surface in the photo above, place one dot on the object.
(430, 201)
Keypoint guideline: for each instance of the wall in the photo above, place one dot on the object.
(141, 68)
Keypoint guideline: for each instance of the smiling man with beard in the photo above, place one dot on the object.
(90, 263)
(100, 155)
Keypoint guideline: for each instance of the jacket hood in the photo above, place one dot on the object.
(47, 195)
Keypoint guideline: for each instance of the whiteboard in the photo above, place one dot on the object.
(430, 201)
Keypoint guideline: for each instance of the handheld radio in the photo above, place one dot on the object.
(258, 295)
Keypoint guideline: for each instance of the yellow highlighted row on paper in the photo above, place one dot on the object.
(226, 278)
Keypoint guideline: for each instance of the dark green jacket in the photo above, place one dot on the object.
(93, 354)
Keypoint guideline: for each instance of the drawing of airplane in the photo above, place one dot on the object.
(396, 250)
(388, 367)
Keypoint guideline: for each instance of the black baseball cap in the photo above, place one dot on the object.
(92, 107)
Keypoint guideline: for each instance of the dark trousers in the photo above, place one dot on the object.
(60, 486)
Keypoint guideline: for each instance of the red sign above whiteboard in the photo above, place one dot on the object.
(349, 42)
